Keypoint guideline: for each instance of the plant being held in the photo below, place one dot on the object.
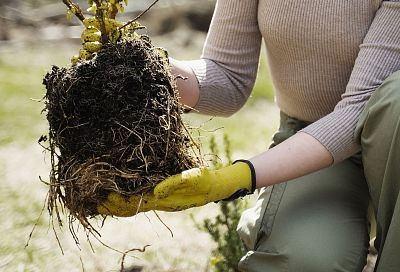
(115, 125)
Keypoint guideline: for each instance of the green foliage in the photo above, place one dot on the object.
(222, 228)
(223, 231)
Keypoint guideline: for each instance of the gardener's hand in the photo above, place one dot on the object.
(197, 187)
(192, 188)
(119, 205)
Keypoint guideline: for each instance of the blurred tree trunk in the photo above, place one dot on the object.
(4, 21)
(4, 34)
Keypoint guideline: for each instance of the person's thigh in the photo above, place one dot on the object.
(319, 225)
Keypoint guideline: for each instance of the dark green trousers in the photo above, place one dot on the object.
(378, 131)
(319, 222)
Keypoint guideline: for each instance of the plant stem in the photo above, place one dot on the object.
(100, 18)
(75, 9)
(140, 15)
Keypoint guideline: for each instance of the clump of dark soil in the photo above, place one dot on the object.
(114, 126)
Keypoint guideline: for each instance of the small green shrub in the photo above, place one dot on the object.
(222, 228)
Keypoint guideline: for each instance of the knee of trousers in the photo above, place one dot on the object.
(320, 225)
(323, 252)
(301, 255)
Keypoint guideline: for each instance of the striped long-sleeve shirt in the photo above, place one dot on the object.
(326, 59)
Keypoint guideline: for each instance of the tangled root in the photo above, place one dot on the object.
(114, 126)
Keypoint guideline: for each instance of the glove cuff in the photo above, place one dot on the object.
(253, 175)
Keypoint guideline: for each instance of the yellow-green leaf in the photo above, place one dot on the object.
(120, 8)
(92, 9)
(162, 52)
(69, 15)
(115, 36)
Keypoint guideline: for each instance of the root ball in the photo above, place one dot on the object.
(114, 126)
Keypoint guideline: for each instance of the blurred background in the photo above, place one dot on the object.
(34, 35)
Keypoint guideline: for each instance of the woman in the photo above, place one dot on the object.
(333, 64)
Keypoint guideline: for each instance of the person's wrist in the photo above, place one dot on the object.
(251, 186)
(238, 180)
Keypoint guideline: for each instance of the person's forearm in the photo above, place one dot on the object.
(188, 86)
(299, 155)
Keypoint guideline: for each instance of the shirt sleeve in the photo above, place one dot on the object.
(379, 57)
(228, 66)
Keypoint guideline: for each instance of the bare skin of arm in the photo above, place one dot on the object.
(300, 155)
(188, 87)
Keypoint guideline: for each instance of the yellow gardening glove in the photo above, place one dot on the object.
(191, 188)
(119, 205)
